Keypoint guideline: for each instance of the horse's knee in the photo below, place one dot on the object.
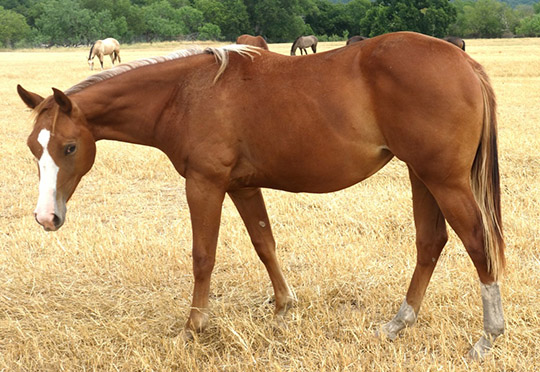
(203, 264)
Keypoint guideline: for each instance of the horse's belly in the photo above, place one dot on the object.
(316, 171)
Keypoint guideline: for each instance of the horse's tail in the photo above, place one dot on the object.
(485, 180)
(91, 49)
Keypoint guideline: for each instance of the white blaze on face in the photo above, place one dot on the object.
(48, 171)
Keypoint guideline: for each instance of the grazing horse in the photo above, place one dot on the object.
(102, 48)
(304, 42)
(355, 39)
(401, 94)
(257, 41)
(457, 41)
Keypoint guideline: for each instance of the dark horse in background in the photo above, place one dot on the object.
(356, 39)
(257, 41)
(457, 41)
(401, 95)
(304, 42)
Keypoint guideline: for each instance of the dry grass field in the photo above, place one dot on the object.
(111, 290)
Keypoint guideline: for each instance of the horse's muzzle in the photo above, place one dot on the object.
(50, 221)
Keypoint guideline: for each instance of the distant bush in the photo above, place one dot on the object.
(529, 26)
(334, 37)
(209, 31)
(13, 28)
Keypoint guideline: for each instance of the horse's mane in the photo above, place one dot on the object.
(221, 54)
(91, 49)
(294, 42)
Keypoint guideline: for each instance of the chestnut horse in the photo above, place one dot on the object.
(304, 42)
(102, 48)
(257, 41)
(404, 94)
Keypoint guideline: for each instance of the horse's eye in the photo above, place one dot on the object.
(70, 149)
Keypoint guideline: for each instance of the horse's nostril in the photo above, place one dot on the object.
(56, 221)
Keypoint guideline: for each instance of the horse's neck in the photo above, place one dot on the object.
(96, 49)
(132, 106)
(123, 119)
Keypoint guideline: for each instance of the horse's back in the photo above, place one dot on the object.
(111, 40)
(310, 40)
(110, 44)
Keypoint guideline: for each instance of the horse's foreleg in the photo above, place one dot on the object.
(431, 236)
(250, 205)
(205, 200)
(113, 57)
(462, 212)
(101, 61)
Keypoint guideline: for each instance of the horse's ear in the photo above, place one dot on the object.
(32, 100)
(63, 101)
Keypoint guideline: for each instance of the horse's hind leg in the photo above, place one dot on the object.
(431, 237)
(463, 214)
(457, 203)
(118, 56)
(250, 205)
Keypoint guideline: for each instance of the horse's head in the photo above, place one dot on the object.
(91, 63)
(65, 149)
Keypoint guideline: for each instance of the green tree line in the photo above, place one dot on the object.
(26, 23)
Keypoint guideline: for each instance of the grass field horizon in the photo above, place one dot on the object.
(111, 289)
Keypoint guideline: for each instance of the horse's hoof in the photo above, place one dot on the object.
(279, 323)
(386, 332)
(188, 335)
(479, 351)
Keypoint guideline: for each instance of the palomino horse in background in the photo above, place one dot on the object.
(102, 48)
(457, 41)
(403, 94)
(355, 39)
(304, 42)
(257, 41)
